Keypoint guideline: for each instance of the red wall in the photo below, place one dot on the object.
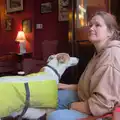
(7, 38)
(52, 28)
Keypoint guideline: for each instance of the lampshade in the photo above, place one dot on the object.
(20, 37)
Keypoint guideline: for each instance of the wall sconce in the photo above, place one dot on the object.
(22, 41)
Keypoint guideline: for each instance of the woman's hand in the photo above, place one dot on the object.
(81, 107)
(62, 86)
(67, 86)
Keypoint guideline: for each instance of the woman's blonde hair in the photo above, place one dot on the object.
(111, 24)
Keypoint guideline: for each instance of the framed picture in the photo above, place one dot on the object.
(14, 5)
(63, 10)
(8, 24)
(46, 7)
(27, 25)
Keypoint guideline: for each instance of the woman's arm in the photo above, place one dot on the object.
(104, 95)
(81, 107)
(67, 86)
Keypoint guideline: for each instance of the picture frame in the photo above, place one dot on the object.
(27, 25)
(14, 5)
(8, 24)
(63, 11)
(46, 7)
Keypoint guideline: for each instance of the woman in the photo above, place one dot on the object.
(98, 89)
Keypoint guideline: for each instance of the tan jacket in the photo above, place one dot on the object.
(99, 84)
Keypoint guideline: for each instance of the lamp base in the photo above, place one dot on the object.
(22, 46)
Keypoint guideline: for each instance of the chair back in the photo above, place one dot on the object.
(48, 48)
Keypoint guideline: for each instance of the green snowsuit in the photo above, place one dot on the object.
(43, 93)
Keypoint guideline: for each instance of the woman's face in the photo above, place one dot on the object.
(98, 30)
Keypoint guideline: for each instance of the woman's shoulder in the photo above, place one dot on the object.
(110, 56)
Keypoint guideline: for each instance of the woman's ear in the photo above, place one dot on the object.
(110, 33)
